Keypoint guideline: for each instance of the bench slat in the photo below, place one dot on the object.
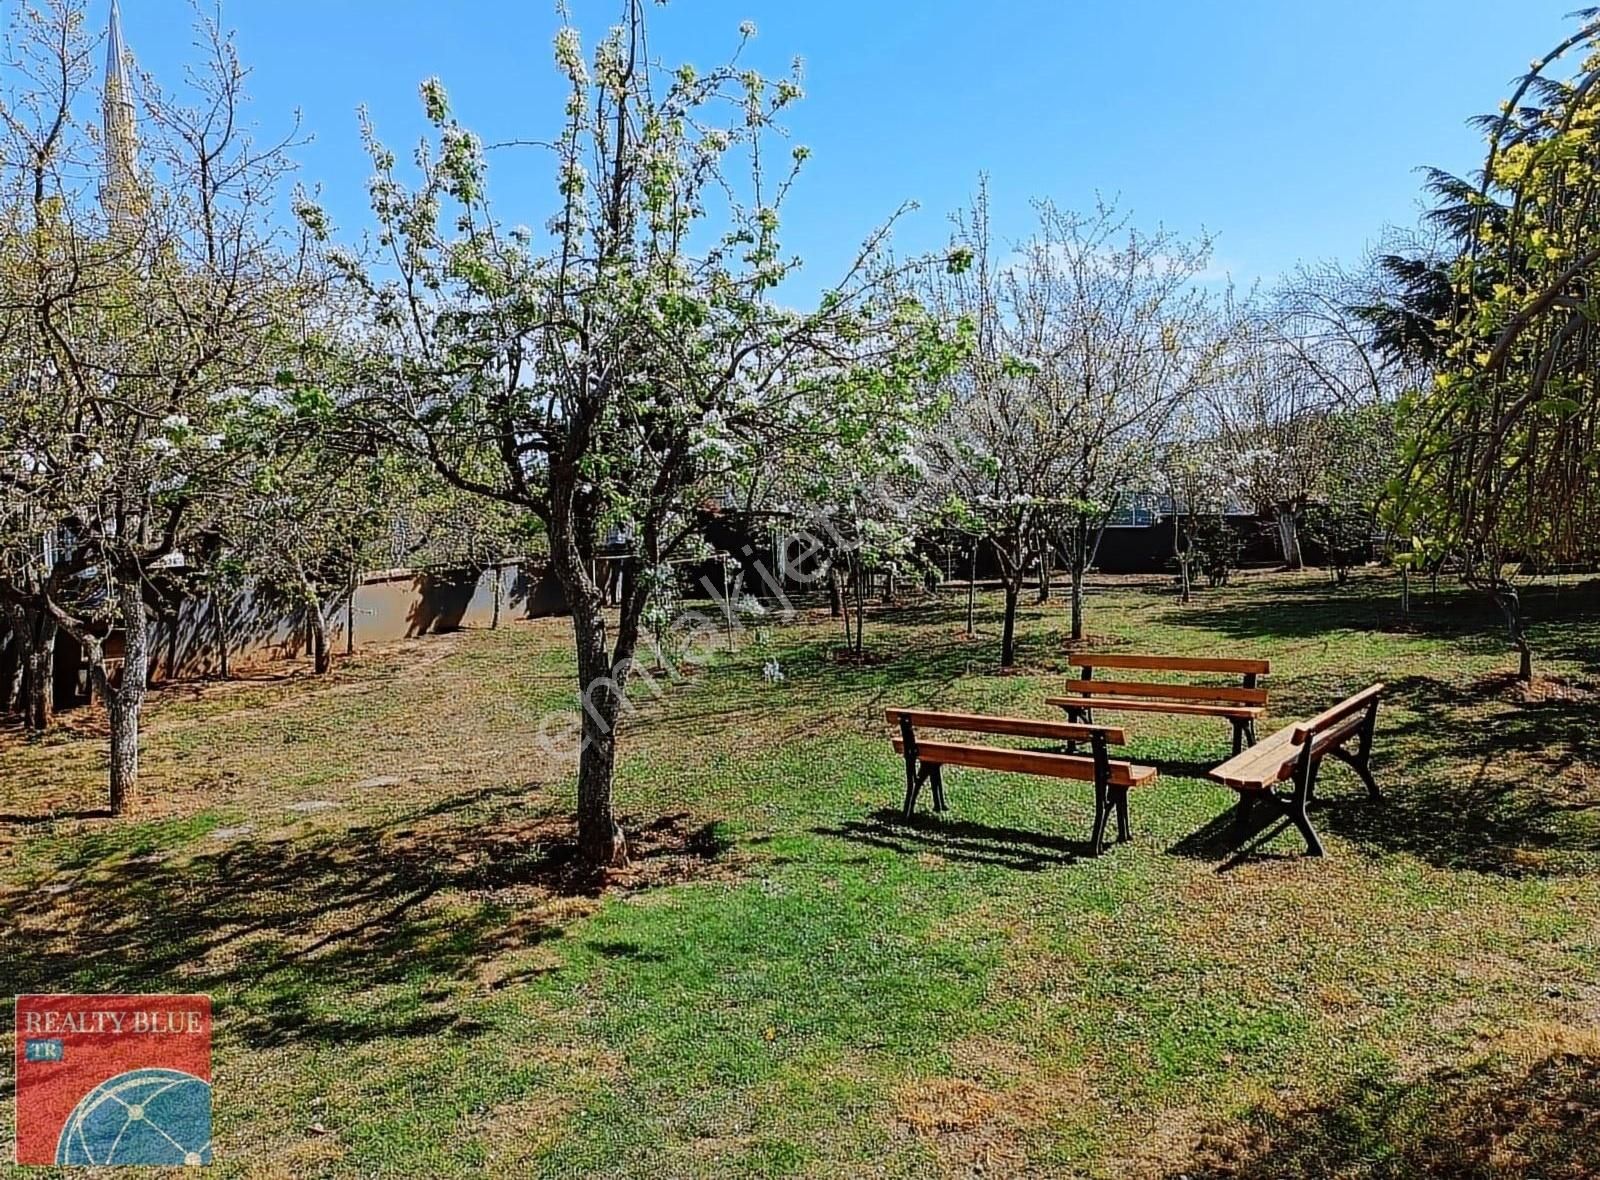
(1073, 766)
(1237, 667)
(1066, 731)
(1269, 761)
(1338, 713)
(1226, 694)
(1192, 708)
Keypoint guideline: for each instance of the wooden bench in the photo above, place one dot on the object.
(925, 760)
(1295, 754)
(1241, 705)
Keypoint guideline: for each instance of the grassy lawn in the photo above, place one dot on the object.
(410, 979)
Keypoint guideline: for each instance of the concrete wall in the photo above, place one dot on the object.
(386, 606)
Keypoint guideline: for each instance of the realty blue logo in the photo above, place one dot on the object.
(146, 1116)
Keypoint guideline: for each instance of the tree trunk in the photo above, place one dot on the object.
(1080, 565)
(13, 672)
(1046, 555)
(972, 588)
(322, 658)
(861, 604)
(1008, 633)
(599, 838)
(40, 707)
(1289, 538)
(219, 616)
(125, 701)
(1184, 553)
(15, 690)
(1405, 590)
(835, 594)
(1509, 601)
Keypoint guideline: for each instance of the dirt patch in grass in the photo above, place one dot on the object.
(982, 1119)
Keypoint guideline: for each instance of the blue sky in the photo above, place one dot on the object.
(1292, 129)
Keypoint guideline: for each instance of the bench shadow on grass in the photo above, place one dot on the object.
(960, 840)
(326, 938)
(1515, 1123)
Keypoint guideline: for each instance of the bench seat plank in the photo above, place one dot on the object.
(1230, 694)
(1270, 761)
(1063, 731)
(1235, 667)
(1192, 708)
(1050, 765)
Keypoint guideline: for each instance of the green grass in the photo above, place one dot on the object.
(791, 981)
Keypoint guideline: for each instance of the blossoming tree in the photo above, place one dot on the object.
(603, 372)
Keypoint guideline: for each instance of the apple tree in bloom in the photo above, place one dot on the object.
(606, 368)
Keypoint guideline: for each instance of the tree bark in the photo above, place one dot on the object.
(21, 649)
(41, 673)
(14, 671)
(1289, 537)
(126, 700)
(1183, 550)
(219, 616)
(1008, 633)
(322, 658)
(1046, 562)
(835, 595)
(1509, 601)
(599, 838)
(1080, 565)
(861, 604)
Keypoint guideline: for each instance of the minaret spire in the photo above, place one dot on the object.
(119, 190)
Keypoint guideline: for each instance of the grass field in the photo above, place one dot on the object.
(410, 978)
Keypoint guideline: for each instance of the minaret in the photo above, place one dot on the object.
(119, 190)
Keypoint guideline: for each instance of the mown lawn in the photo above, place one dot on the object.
(367, 874)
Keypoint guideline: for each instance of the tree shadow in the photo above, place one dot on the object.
(1564, 620)
(325, 939)
(1476, 779)
(961, 840)
(1538, 1122)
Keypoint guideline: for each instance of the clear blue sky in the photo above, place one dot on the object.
(1290, 128)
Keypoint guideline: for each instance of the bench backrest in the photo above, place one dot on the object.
(1333, 725)
(1062, 731)
(1220, 694)
(1232, 667)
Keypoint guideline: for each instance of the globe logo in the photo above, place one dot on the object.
(146, 1116)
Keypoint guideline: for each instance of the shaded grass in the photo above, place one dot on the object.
(801, 983)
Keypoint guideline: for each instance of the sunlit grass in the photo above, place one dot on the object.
(796, 983)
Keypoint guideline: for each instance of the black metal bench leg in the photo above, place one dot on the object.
(1298, 817)
(1074, 717)
(1238, 736)
(908, 747)
(1305, 788)
(1124, 829)
(1097, 839)
(913, 789)
(936, 772)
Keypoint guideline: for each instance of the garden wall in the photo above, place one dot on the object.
(385, 606)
